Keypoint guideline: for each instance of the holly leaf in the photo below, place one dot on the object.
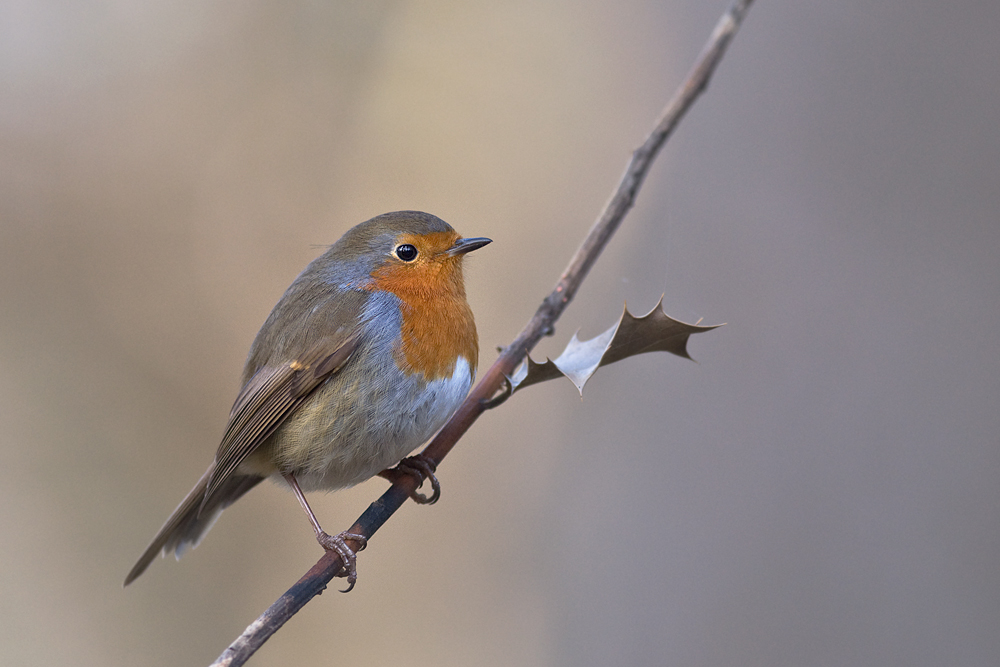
(653, 332)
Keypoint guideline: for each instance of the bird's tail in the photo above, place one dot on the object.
(193, 518)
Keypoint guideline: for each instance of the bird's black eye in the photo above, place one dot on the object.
(406, 252)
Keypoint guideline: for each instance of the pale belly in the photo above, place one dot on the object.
(345, 435)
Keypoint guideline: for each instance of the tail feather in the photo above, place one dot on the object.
(193, 518)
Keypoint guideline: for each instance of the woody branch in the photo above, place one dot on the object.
(316, 579)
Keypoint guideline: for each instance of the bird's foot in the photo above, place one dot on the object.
(338, 544)
(421, 467)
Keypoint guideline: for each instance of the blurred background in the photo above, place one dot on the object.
(821, 488)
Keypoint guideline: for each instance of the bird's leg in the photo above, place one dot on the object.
(421, 467)
(331, 542)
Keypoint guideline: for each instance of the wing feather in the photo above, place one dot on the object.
(270, 396)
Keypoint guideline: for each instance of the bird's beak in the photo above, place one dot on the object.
(463, 246)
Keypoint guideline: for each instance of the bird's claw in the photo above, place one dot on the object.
(421, 467)
(338, 544)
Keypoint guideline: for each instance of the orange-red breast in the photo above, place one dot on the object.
(364, 357)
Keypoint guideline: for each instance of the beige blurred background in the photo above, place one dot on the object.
(822, 488)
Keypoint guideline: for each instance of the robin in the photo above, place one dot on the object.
(364, 357)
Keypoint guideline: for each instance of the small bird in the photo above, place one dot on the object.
(364, 357)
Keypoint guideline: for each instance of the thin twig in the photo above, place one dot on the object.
(316, 579)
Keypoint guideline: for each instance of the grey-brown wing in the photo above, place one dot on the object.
(270, 396)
